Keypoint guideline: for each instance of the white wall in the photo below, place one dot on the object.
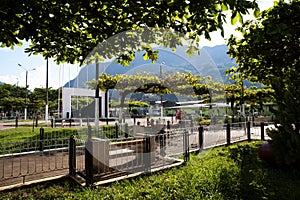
(67, 94)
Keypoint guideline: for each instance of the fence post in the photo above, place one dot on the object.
(16, 122)
(147, 150)
(33, 124)
(53, 122)
(168, 125)
(248, 131)
(228, 133)
(200, 137)
(186, 146)
(126, 130)
(42, 131)
(117, 129)
(168, 128)
(70, 122)
(162, 142)
(72, 156)
(262, 130)
(89, 158)
(36, 121)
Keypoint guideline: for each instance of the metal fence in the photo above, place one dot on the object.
(19, 142)
(31, 166)
(147, 151)
(30, 156)
(112, 151)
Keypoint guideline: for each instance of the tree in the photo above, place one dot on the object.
(239, 92)
(12, 98)
(269, 53)
(232, 95)
(180, 84)
(258, 95)
(38, 99)
(105, 82)
(270, 45)
(68, 30)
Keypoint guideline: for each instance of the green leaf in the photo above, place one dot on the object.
(145, 56)
(197, 38)
(256, 13)
(224, 7)
(237, 17)
(234, 18)
(19, 43)
(240, 18)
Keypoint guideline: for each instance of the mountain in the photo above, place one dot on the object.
(212, 61)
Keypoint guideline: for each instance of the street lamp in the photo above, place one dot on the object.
(47, 91)
(26, 86)
(161, 101)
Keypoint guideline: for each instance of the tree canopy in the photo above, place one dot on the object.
(67, 30)
(269, 47)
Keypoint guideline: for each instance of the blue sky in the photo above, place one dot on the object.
(60, 74)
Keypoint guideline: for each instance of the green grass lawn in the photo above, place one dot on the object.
(25, 133)
(23, 139)
(233, 172)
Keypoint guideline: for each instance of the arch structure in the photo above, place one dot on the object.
(67, 94)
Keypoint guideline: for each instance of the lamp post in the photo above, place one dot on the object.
(97, 97)
(161, 101)
(46, 107)
(26, 87)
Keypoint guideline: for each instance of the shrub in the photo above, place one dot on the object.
(286, 138)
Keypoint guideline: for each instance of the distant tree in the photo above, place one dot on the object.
(12, 98)
(258, 96)
(240, 94)
(38, 99)
(233, 95)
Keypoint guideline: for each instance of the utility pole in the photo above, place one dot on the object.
(26, 87)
